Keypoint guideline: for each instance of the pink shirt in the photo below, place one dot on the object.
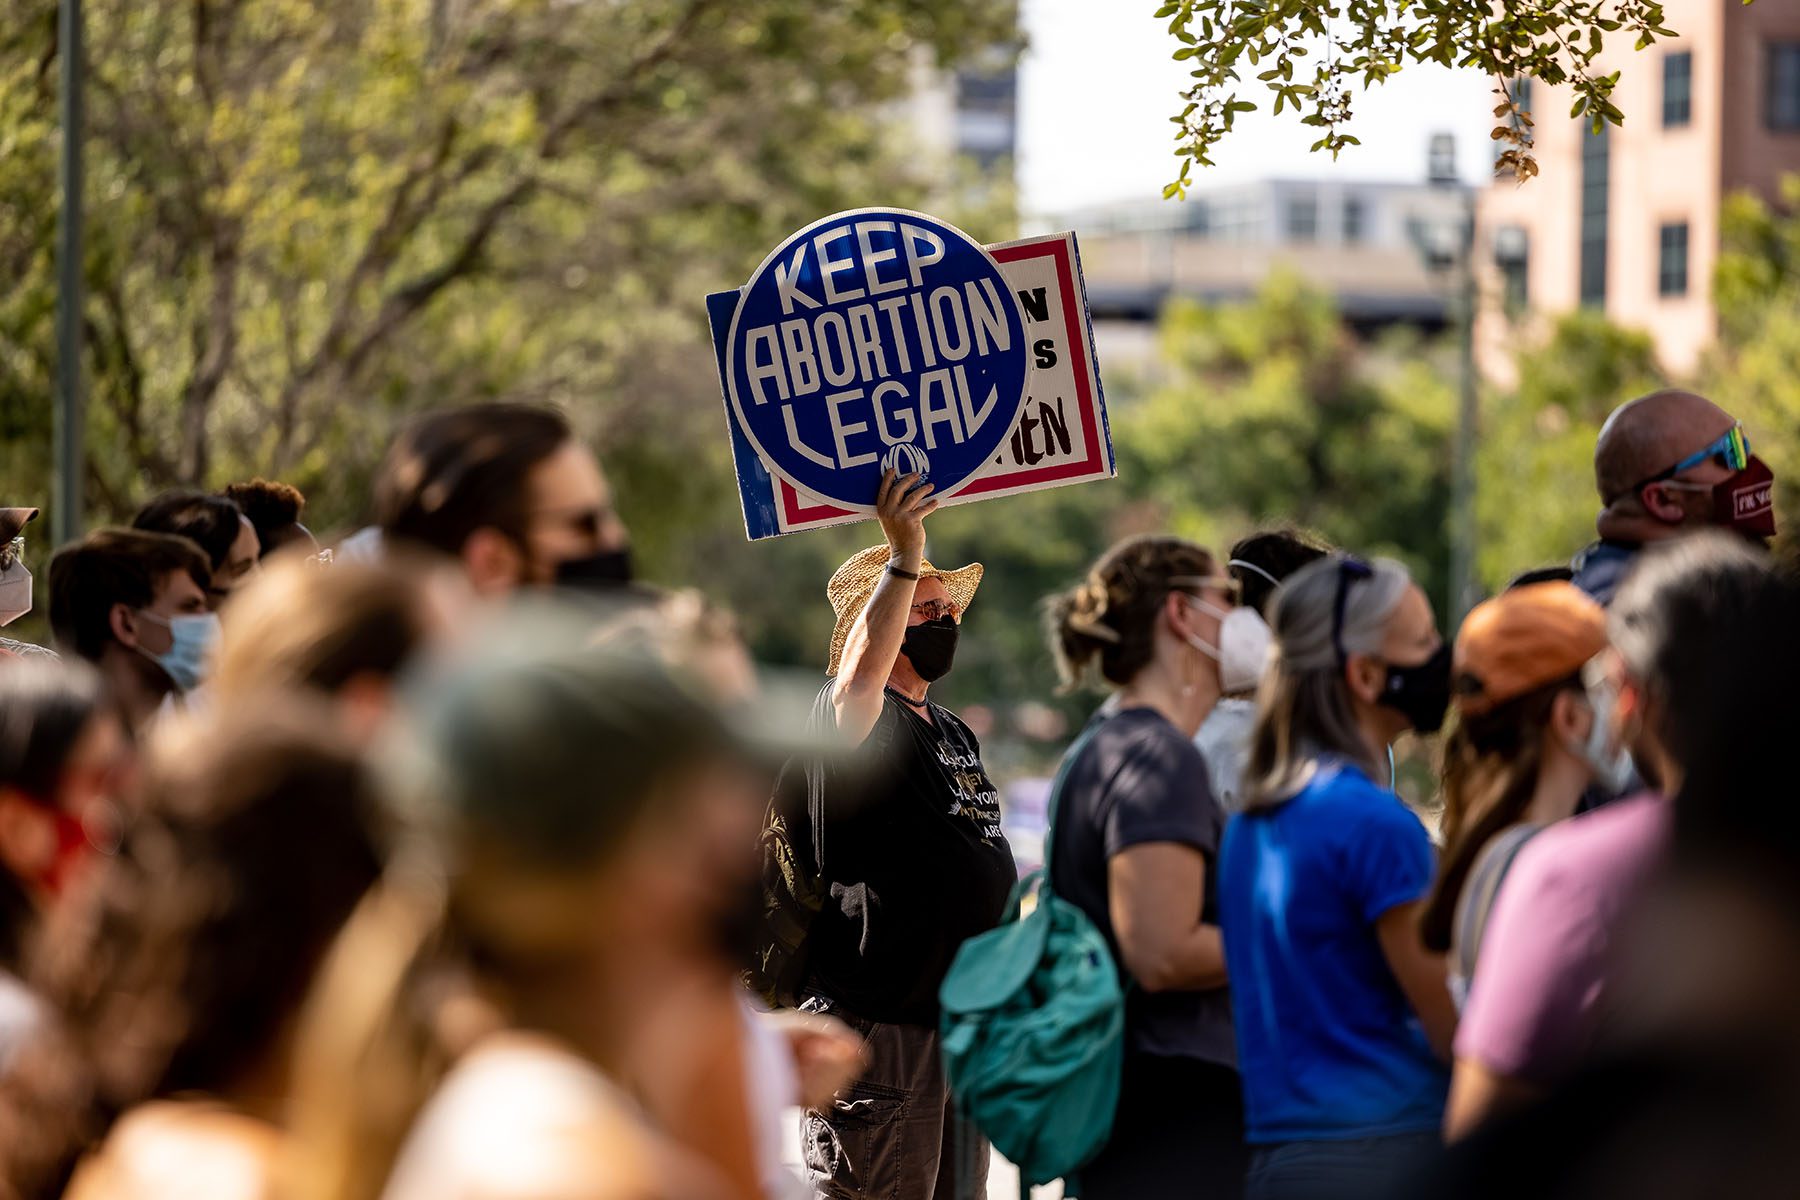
(1546, 955)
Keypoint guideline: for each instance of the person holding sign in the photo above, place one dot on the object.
(900, 842)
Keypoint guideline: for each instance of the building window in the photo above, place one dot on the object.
(1199, 218)
(1678, 89)
(1595, 193)
(1519, 92)
(1302, 218)
(1672, 260)
(1512, 255)
(1782, 108)
(1356, 220)
(986, 117)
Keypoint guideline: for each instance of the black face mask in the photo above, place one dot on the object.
(1421, 693)
(931, 647)
(595, 573)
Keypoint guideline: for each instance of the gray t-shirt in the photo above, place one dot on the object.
(1137, 781)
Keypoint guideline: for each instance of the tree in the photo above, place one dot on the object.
(1271, 412)
(1535, 502)
(1358, 44)
(308, 219)
(1757, 292)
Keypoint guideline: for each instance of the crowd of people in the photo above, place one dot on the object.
(447, 860)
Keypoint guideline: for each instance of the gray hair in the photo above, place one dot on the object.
(1305, 711)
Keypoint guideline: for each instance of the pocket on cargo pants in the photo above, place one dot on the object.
(856, 1150)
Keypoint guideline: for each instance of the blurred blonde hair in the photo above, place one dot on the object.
(695, 636)
(301, 624)
(519, 776)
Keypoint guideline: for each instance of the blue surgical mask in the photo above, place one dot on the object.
(1610, 764)
(192, 639)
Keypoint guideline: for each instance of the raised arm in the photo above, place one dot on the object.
(874, 640)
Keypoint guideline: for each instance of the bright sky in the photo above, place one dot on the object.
(1097, 87)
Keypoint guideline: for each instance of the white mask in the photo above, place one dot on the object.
(15, 584)
(1611, 765)
(1243, 649)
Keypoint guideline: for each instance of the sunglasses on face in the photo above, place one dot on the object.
(1731, 450)
(588, 522)
(935, 610)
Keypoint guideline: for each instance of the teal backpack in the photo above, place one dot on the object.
(1033, 1029)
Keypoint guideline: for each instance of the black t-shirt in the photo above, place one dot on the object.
(1139, 781)
(915, 862)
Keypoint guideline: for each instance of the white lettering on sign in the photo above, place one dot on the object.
(856, 353)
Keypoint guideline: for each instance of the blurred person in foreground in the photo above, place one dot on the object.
(574, 829)
(1696, 1091)
(134, 604)
(1529, 739)
(273, 510)
(881, 864)
(1259, 563)
(1344, 1020)
(1666, 465)
(176, 976)
(64, 760)
(510, 493)
(216, 525)
(346, 630)
(1136, 846)
(1547, 955)
(724, 1074)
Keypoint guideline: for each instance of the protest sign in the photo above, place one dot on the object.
(1056, 436)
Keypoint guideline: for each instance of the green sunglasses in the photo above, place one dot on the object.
(1732, 450)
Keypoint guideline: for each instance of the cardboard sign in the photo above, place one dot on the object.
(1058, 434)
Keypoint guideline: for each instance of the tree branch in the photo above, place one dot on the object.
(345, 354)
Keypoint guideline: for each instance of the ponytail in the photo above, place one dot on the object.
(1490, 772)
(1107, 623)
(370, 1050)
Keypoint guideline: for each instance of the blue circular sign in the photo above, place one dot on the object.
(871, 339)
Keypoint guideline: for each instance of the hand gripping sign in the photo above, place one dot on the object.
(885, 338)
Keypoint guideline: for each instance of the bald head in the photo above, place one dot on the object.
(1652, 434)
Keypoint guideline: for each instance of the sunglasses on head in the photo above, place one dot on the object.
(1732, 450)
(1350, 570)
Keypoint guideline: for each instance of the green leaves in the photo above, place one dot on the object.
(1361, 43)
(309, 219)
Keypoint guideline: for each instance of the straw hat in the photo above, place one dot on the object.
(853, 583)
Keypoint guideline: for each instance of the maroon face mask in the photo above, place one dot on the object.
(1746, 501)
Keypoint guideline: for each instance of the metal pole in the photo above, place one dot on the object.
(1463, 586)
(67, 512)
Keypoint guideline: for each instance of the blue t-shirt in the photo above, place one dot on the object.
(1328, 1046)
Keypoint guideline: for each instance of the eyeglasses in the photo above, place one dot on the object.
(1218, 583)
(1350, 570)
(1732, 450)
(935, 610)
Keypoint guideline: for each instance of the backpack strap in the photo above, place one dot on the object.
(1056, 790)
(1483, 890)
